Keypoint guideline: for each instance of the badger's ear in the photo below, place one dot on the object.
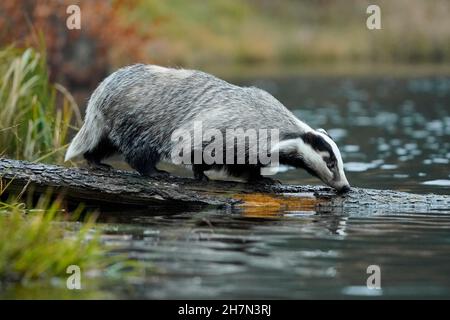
(321, 130)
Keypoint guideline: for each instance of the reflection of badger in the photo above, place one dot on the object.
(135, 110)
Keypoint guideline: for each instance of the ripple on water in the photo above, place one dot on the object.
(440, 160)
(351, 148)
(401, 175)
(361, 291)
(359, 166)
(438, 182)
(337, 133)
(389, 166)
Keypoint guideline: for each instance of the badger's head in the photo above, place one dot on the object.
(318, 154)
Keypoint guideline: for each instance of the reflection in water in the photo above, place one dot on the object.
(214, 254)
(265, 205)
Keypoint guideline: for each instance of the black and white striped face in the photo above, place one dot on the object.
(318, 154)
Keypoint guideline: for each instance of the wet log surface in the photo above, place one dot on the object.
(114, 188)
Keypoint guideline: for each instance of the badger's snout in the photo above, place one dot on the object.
(341, 187)
(344, 189)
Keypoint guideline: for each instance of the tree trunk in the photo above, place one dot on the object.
(110, 189)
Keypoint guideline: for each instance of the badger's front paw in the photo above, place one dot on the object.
(159, 174)
(201, 177)
(100, 166)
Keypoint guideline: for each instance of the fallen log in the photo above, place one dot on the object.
(109, 189)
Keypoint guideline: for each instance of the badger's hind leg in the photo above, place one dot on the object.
(255, 177)
(144, 162)
(104, 149)
(199, 172)
(250, 173)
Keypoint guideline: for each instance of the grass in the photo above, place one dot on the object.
(36, 243)
(35, 115)
(39, 241)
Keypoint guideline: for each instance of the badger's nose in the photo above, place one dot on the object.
(345, 189)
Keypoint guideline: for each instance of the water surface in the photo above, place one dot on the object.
(213, 254)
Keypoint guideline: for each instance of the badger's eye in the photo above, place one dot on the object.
(331, 163)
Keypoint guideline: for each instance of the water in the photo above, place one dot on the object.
(211, 254)
(393, 133)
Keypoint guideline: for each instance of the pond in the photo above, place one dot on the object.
(393, 133)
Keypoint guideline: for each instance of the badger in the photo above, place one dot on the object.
(135, 111)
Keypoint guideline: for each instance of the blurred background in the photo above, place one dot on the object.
(227, 37)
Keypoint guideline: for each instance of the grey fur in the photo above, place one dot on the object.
(135, 110)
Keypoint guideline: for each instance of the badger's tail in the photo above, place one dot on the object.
(88, 137)
(94, 128)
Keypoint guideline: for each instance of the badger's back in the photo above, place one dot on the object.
(138, 107)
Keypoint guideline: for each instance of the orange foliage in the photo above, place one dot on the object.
(77, 58)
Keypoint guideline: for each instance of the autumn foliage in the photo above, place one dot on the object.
(76, 58)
